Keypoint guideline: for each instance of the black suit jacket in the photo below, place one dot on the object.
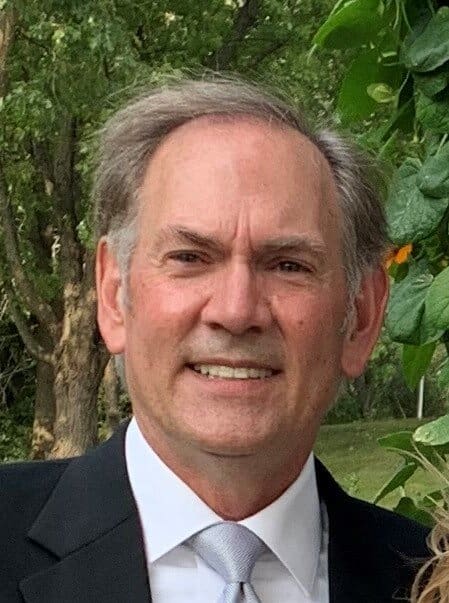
(70, 533)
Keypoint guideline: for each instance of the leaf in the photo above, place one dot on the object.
(433, 178)
(433, 113)
(437, 301)
(403, 474)
(435, 433)
(381, 93)
(354, 101)
(433, 82)
(356, 23)
(411, 215)
(404, 444)
(400, 442)
(416, 361)
(431, 498)
(406, 305)
(407, 507)
(430, 49)
(443, 375)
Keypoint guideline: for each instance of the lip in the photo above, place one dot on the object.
(229, 388)
(235, 363)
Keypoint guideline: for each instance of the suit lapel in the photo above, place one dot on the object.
(346, 584)
(91, 525)
(363, 565)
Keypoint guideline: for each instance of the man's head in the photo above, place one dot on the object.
(239, 267)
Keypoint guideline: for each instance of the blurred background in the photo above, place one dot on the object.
(378, 69)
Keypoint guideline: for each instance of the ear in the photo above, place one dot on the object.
(365, 322)
(110, 311)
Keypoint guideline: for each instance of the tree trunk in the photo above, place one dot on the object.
(80, 361)
(44, 412)
(111, 389)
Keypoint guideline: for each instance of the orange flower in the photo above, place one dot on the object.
(398, 255)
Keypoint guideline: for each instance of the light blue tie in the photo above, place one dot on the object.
(231, 550)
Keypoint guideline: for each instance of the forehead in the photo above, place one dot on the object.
(220, 171)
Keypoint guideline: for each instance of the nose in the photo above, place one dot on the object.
(237, 303)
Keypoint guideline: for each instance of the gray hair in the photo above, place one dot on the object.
(129, 139)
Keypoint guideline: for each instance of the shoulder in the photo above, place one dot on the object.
(366, 522)
(26, 486)
(27, 474)
(402, 534)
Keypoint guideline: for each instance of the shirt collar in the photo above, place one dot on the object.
(170, 512)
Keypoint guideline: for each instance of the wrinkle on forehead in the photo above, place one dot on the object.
(258, 132)
(298, 171)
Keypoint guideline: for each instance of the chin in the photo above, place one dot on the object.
(232, 445)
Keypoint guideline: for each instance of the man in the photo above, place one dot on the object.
(239, 279)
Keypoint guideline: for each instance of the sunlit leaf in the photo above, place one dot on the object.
(434, 433)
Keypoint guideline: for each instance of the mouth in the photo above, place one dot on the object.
(223, 371)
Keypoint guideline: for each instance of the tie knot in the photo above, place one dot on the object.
(230, 549)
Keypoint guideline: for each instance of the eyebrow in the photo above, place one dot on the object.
(293, 243)
(188, 236)
(298, 243)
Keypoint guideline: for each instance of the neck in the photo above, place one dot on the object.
(234, 487)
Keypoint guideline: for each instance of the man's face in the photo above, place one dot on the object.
(232, 335)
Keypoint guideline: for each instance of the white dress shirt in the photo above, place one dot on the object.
(294, 570)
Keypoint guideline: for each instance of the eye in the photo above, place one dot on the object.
(291, 266)
(185, 257)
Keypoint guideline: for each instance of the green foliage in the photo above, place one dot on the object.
(362, 82)
(430, 49)
(351, 24)
(425, 448)
(407, 121)
(83, 60)
(14, 438)
(405, 313)
(437, 303)
(416, 360)
(411, 215)
(435, 433)
(387, 389)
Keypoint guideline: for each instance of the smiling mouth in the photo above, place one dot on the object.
(221, 371)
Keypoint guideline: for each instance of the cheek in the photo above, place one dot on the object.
(162, 305)
(311, 316)
(311, 329)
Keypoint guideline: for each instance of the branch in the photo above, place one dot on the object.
(7, 19)
(33, 302)
(244, 20)
(31, 299)
(31, 342)
(64, 193)
(272, 48)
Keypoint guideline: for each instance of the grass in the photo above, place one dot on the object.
(360, 465)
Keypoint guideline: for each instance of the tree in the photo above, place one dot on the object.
(64, 67)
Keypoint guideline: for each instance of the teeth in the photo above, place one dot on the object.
(229, 372)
